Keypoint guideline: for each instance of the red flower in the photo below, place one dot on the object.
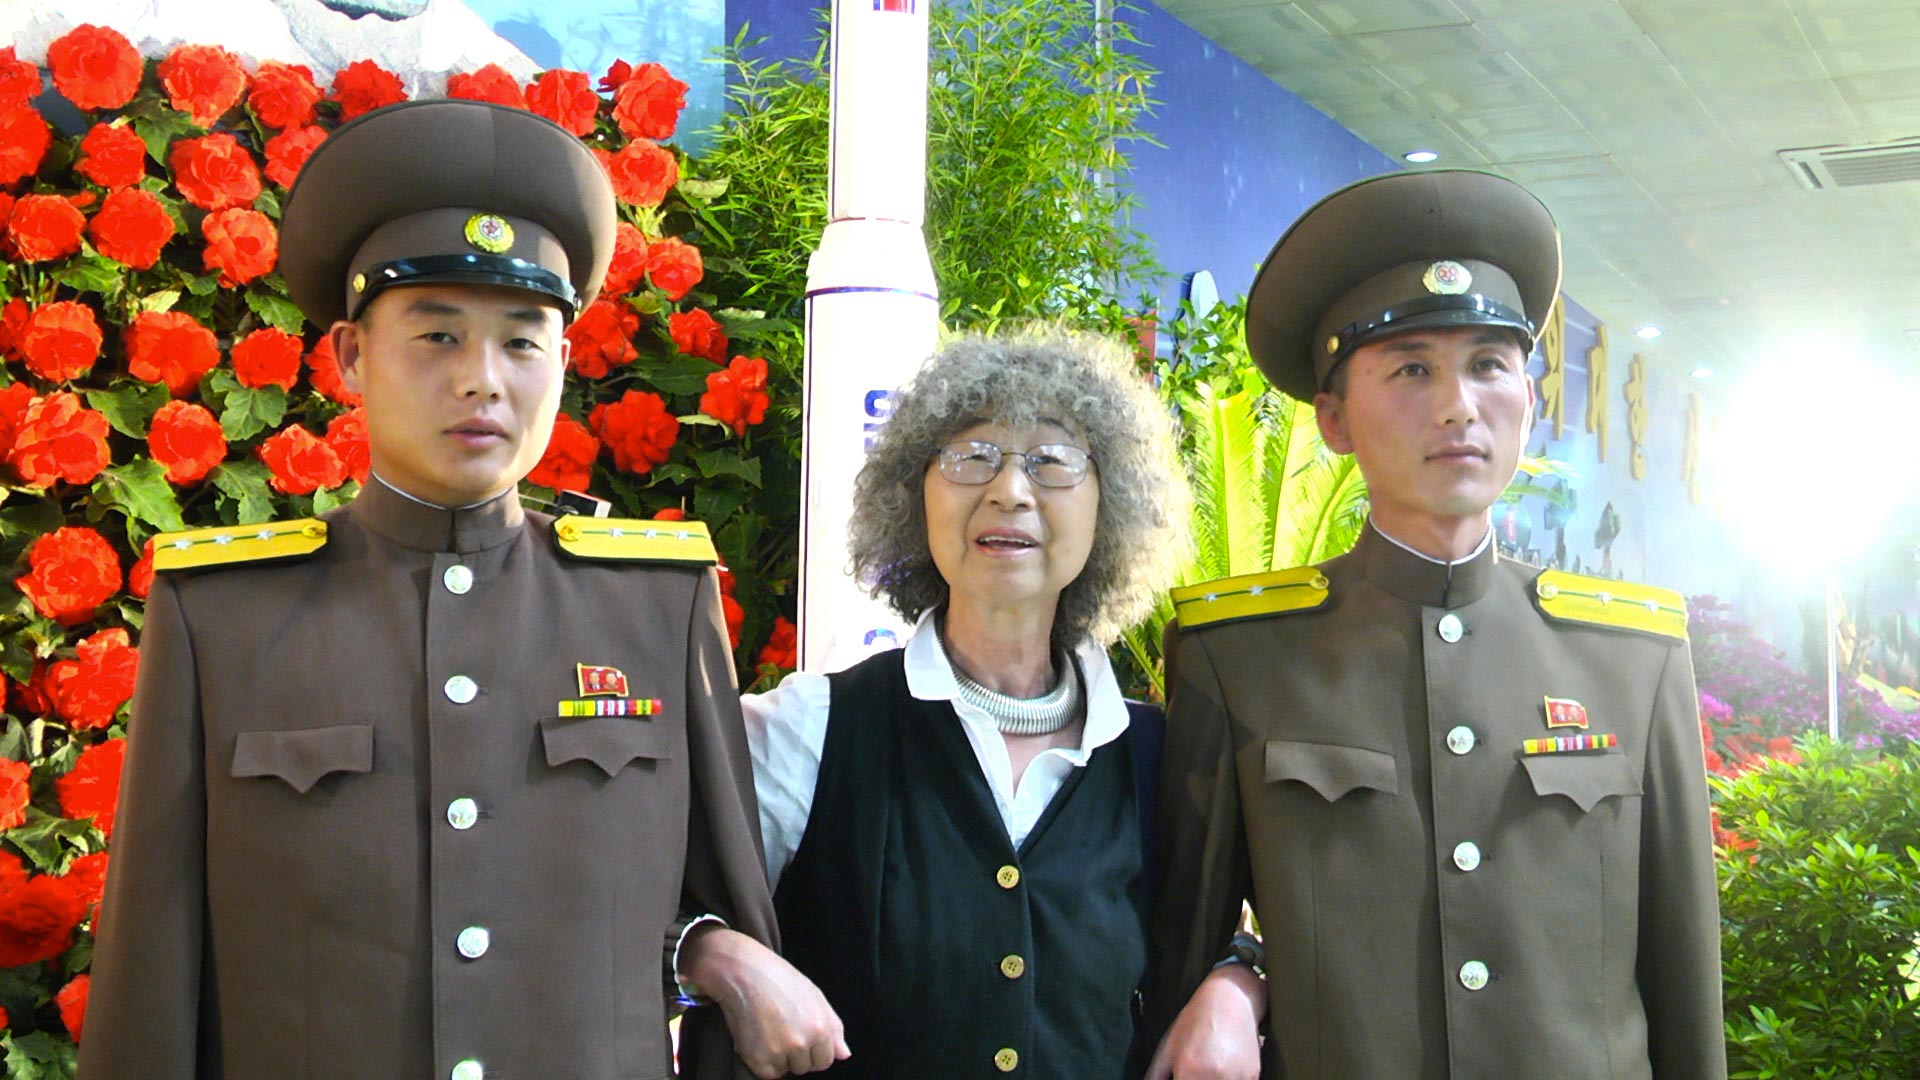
(602, 337)
(289, 150)
(170, 347)
(782, 649)
(364, 86)
(113, 156)
(59, 439)
(87, 875)
(283, 95)
(94, 67)
(697, 334)
(13, 323)
(72, 1002)
(88, 692)
(267, 357)
(347, 434)
(620, 72)
(214, 172)
(670, 513)
(37, 919)
(15, 776)
(491, 83)
(19, 80)
(60, 341)
(187, 440)
(629, 261)
(324, 366)
(565, 98)
(45, 227)
(203, 81)
(73, 570)
(637, 428)
(647, 105)
(642, 172)
(567, 464)
(24, 138)
(140, 578)
(241, 244)
(92, 787)
(735, 616)
(737, 397)
(674, 267)
(14, 399)
(131, 228)
(301, 463)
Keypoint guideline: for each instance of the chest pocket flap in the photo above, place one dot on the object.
(1584, 778)
(1331, 770)
(609, 742)
(302, 756)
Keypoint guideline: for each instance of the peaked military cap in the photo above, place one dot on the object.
(1443, 247)
(446, 191)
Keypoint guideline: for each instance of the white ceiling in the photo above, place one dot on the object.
(1651, 129)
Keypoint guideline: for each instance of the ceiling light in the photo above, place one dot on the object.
(1421, 157)
(1647, 333)
(1703, 372)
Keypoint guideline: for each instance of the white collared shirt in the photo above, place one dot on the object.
(787, 733)
(1479, 549)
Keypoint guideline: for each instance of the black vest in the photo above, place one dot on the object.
(945, 952)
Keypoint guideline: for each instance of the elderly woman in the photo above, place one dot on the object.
(953, 827)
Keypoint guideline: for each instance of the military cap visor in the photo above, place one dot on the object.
(1400, 252)
(446, 191)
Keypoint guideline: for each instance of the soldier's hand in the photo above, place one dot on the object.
(1217, 1034)
(780, 1022)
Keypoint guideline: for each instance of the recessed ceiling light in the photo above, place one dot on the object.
(1421, 157)
(1703, 373)
(1647, 333)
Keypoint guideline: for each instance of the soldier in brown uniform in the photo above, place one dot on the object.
(1465, 797)
(417, 788)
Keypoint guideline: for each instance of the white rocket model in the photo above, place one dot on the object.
(873, 311)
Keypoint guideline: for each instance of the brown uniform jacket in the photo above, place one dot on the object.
(1361, 779)
(291, 876)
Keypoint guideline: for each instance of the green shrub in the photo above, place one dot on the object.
(1820, 909)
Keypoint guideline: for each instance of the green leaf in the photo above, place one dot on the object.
(245, 482)
(160, 300)
(13, 737)
(327, 498)
(714, 504)
(718, 463)
(130, 406)
(671, 472)
(45, 837)
(91, 273)
(159, 129)
(204, 285)
(247, 411)
(276, 310)
(139, 489)
(268, 203)
(701, 190)
(679, 374)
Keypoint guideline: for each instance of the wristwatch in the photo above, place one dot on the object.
(1246, 949)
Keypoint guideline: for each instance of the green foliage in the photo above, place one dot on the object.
(1820, 904)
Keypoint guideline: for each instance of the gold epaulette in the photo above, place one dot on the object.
(1250, 596)
(682, 543)
(1622, 605)
(233, 545)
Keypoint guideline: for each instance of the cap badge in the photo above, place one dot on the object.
(1447, 278)
(1565, 712)
(492, 234)
(1333, 344)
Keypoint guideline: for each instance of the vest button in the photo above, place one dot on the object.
(468, 1070)
(1473, 975)
(1466, 856)
(1461, 739)
(1006, 1059)
(1451, 628)
(458, 579)
(1013, 966)
(1008, 877)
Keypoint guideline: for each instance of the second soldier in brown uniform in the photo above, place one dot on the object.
(417, 788)
(1465, 797)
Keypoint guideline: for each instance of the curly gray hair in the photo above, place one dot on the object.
(1019, 379)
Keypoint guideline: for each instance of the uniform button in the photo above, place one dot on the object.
(1460, 740)
(1008, 876)
(458, 580)
(1466, 855)
(1006, 1059)
(462, 813)
(1473, 975)
(1451, 628)
(461, 689)
(1012, 966)
(468, 1070)
(473, 942)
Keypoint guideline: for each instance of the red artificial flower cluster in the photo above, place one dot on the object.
(697, 334)
(638, 428)
(567, 464)
(737, 397)
(782, 649)
(602, 337)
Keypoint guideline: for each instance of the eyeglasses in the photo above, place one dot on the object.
(1055, 465)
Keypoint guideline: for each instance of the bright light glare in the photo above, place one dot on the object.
(1647, 333)
(1703, 372)
(1421, 157)
(1813, 457)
